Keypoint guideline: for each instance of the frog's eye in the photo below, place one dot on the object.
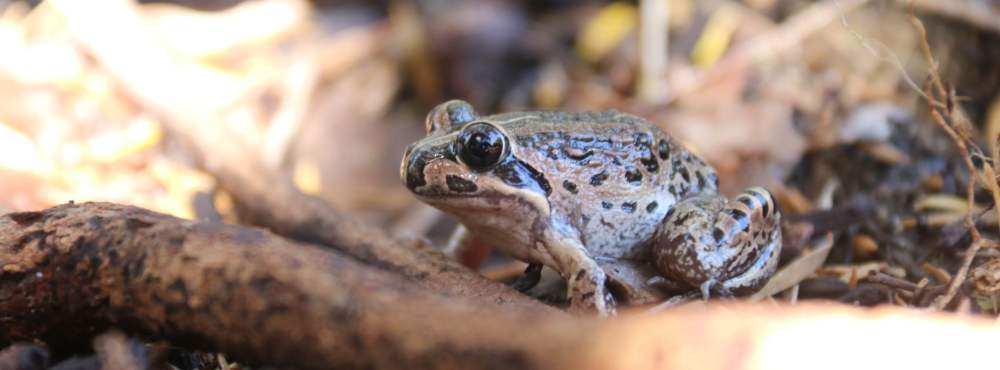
(481, 146)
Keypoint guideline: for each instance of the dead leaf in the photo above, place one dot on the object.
(797, 270)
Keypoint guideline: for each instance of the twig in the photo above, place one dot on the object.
(653, 47)
(891, 281)
(297, 89)
(963, 143)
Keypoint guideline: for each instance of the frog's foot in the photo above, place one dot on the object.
(588, 291)
(586, 282)
(720, 247)
(532, 274)
(712, 286)
(706, 289)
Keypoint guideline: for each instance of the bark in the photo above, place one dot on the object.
(73, 270)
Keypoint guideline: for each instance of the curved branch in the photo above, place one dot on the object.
(73, 270)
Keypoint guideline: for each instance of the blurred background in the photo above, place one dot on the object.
(819, 101)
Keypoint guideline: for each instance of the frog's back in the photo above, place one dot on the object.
(613, 176)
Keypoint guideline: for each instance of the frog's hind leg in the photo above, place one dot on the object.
(720, 247)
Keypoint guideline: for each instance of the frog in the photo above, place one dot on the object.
(607, 199)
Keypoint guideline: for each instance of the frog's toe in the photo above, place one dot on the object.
(588, 293)
(706, 289)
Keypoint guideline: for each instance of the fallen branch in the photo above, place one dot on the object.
(115, 36)
(71, 271)
(74, 270)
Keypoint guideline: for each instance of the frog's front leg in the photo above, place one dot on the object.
(586, 281)
(719, 246)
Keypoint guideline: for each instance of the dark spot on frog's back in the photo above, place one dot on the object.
(570, 186)
(628, 207)
(643, 139)
(633, 176)
(607, 205)
(651, 207)
(599, 178)
(577, 154)
(664, 149)
(460, 185)
(718, 234)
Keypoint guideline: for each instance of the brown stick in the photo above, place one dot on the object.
(246, 292)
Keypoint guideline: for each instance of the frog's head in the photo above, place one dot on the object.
(468, 162)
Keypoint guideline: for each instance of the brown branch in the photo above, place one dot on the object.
(113, 32)
(70, 271)
(73, 270)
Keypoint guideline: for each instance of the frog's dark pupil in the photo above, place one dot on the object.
(481, 146)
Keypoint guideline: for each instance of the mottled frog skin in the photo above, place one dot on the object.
(606, 199)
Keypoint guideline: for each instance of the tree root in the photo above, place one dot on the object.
(73, 270)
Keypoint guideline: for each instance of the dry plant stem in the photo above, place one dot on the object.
(653, 36)
(941, 302)
(73, 270)
(115, 37)
(891, 281)
(962, 143)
